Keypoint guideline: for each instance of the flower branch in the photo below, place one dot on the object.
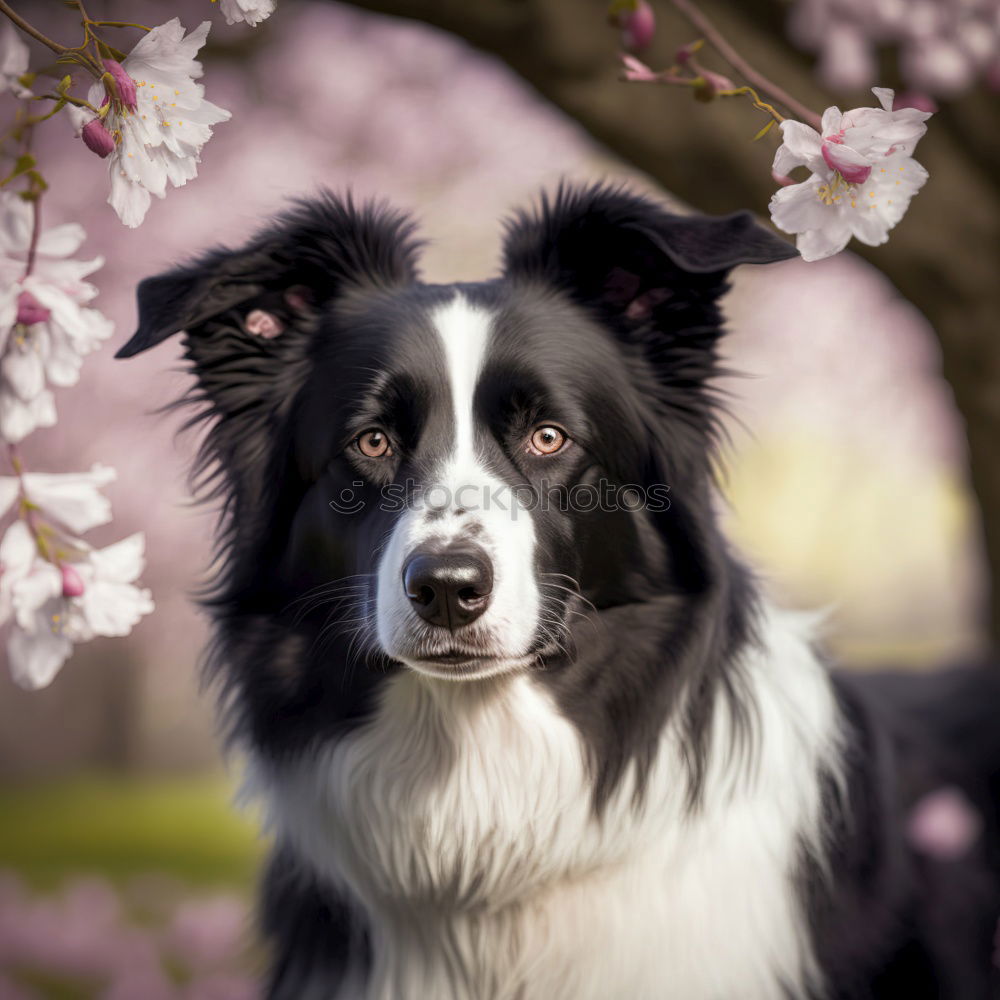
(29, 29)
(862, 174)
(146, 113)
(715, 38)
(705, 83)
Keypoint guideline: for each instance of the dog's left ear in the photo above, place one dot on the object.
(311, 254)
(625, 255)
(251, 318)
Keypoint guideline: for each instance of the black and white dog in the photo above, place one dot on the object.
(524, 726)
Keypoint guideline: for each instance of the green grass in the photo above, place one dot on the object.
(122, 827)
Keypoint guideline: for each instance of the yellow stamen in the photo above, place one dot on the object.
(830, 194)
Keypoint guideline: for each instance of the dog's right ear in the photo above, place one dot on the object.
(313, 253)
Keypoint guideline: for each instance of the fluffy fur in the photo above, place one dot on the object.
(626, 775)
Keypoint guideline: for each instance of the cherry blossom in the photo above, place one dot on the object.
(57, 589)
(46, 329)
(250, 12)
(160, 138)
(863, 176)
(49, 618)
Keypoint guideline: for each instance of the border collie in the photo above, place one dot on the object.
(524, 725)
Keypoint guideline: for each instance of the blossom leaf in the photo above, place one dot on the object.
(767, 128)
(110, 52)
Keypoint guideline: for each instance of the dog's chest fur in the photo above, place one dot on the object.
(460, 821)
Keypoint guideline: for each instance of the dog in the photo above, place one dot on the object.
(523, 725)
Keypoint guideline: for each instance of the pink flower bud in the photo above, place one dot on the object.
(30, 310)
(637, 71)
(97, 138)
(123, 82)
(686, 52)
(709, 84)
(638, 27)
(844, 160)
(72, 583)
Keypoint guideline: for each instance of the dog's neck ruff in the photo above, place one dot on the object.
(460, 822)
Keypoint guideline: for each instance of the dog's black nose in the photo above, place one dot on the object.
(449, 588)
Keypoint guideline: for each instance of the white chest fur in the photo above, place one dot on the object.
(460, 821)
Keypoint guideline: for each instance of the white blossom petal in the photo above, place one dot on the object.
(9, 488)
(818, 244)
(885, 96)
(72, 498)
(18, 418)
(61, 241)
(114, 609)
(15, 224)
(797, 208)
(13, 61)
(800, 146)
(36, 656)
(250, 12)
(23, 371)
(121, 562)
(830, 122)
(41, 584)
(110, 603)
(17, 554)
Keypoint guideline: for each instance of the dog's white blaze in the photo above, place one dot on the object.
(459, 821)
(465, 334)
(464, 493)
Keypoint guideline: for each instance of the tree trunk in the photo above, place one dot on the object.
(944, 257)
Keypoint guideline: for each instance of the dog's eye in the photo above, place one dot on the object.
(547, 440)
(373, 444)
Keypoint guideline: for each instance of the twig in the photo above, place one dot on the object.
(36, 231)
(34, 32)
(120, 24)
(761, 82)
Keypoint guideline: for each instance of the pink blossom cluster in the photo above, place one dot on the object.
(944, 46)
(84, 937)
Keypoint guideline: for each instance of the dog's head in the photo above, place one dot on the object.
(442, 478)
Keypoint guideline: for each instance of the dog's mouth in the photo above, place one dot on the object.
(470, 664)
(456, 658)
(460, 665)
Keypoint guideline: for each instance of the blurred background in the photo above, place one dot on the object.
(861, 476)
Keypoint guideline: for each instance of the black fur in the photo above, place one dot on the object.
(608, 306)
